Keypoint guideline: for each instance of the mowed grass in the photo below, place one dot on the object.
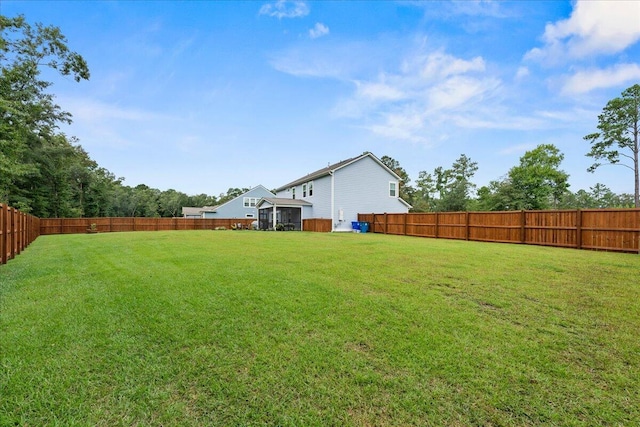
(309, 329)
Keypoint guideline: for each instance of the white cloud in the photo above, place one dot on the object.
(428, 90)
(456, 92)
(285, 9)
(403, 126)
(378, 91)
(318, 30)
(330, 60)
(441, 65)
(594, 27)
(522, 73)
(587, 80)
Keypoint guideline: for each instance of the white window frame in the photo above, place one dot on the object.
(250, 202)
(393, 189)
(310, 188)
(293, 192)
(304, 190)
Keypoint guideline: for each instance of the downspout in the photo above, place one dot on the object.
(332, 201)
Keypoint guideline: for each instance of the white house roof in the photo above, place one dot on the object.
(282, 202)
(329, 169)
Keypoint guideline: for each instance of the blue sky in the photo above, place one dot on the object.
(202, 96)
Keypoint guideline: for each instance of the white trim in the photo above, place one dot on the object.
(395, 189)
(333, 187)
(275, 217)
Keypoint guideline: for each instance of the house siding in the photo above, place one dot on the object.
(235, 207)
(359, 186)
(321, 198)
(362, 187)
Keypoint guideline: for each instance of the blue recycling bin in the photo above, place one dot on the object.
(364, 227)
(355, 225)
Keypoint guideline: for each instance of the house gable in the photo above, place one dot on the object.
(237, 208)
(344, 189)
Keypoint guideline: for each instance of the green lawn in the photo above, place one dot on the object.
(303, 329)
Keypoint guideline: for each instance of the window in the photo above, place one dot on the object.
(310, 188)
(304, 190)
(250, 202)
(293, 193)
(392, 189)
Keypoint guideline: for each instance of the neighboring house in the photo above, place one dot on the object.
(192, 212)
(243, 206)
(362, 184)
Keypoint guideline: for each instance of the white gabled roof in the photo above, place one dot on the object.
(334, 167)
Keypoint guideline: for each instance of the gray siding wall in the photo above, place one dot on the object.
(235, 208)
(363, 187)
(321, 198)
(307, 212)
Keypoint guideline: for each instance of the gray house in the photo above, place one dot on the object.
(362, 184)
(243, 206)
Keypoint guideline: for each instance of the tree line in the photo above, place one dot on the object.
(537, 182)
(48, 174)
(43, 171)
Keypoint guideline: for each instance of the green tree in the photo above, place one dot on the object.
(536, 183)
(171, 203)
(201, 200)
(232, 193)
(29, 116)
(453, 187)
(459, 187)
(618, 135)
(425, 193)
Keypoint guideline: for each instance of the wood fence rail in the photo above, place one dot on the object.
(595, 229)
(17, 231)
(116, 224)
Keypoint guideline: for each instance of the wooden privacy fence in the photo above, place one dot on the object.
(17, 231)
(318, 225)
(106, 225)
(596, 229)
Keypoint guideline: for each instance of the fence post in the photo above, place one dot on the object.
(14, 233)
(437, 220)
(385, 223)
(18, 232)
(405, 222)
(523, 219)
(466, 226)
(3, 236)
(578, 229)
